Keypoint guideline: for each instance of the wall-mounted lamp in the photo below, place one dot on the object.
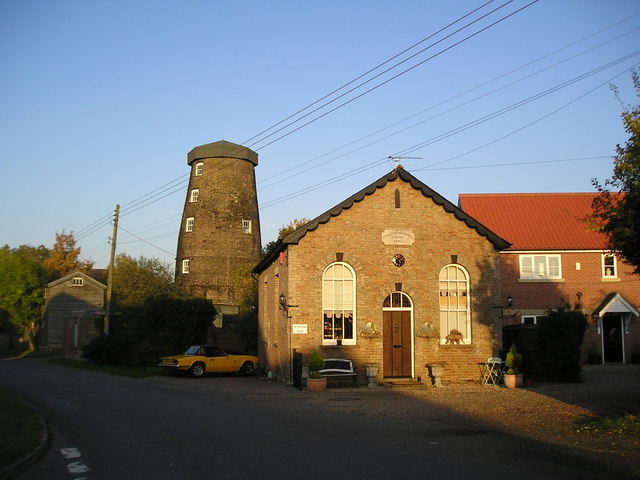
(509, 301)
(283, 301)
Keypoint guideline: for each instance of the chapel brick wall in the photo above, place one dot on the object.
(357, 234)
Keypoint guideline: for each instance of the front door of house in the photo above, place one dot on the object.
(397, 346)
(612, 338)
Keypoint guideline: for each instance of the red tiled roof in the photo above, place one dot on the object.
(537, 221)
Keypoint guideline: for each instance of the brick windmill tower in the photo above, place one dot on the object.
(220, 231)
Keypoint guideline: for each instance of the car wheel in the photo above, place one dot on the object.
(197, 370)
(247, 368)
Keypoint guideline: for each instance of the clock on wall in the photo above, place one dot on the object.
(398, 260)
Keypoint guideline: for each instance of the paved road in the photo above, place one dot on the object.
(106, 427)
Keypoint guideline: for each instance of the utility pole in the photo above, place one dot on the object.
(107, 310)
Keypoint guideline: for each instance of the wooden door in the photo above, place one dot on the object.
(612, 330)
(397, 343)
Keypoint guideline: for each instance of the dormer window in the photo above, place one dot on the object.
(199, 170)
(77, 281)
(195, 193)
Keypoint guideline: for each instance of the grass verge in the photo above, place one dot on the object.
(612, 425)
(20, 428)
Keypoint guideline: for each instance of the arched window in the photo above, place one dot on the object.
(199, 170)
(454, 302)
(339, 304)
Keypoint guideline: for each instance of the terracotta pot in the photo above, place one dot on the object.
(316, 384)
(513, 381)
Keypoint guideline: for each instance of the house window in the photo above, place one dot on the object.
(185, 265)
(540, 267)
(195, 193)
(246, 226)
(199, 169)
(454, 302)
(77, 282)
(609, 269)
(530, 319)
(338, 304)
(189, 226)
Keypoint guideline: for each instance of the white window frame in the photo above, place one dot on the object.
(539, 267)
(456, 316)
(529, 319)
(188, 227)
(246, 226)
(199, 169)
(609, 271)
(338, 300)
(77, 282)
(195, 193)
(186, 264)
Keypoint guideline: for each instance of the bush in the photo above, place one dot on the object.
(316, 363)
(513, 360)
(105, 350)
(561, 335)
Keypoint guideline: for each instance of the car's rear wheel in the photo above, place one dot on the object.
(197, 370)
(247, 368)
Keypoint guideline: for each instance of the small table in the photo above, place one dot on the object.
(492, 371)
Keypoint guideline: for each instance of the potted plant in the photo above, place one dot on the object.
(455, 336)
(316, 382)
(513, 377)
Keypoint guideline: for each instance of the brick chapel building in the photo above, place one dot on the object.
(383, 278)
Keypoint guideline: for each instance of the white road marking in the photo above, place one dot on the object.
(77, 467)
(70, 452)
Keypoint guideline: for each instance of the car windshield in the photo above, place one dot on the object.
(194, 350)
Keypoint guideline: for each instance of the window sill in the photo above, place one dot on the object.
(608, 280)
(541, 280)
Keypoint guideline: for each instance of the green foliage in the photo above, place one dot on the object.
(513, 360)
(110, 350)
(175, 323)
(292, 226)
(560, 335)
(22, 287)
(137, 279)
(617, 215)
(316, 363)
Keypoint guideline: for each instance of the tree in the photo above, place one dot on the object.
(63, 257)
(618, 216)
(292, 226)
(135, 280)
(22, 288)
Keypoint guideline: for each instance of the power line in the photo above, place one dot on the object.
(368, 72)
(380, 84)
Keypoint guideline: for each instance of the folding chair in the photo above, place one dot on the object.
(493, 371)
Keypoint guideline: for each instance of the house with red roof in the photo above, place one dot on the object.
(555, 257)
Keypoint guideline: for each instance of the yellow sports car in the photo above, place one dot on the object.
(201, 359)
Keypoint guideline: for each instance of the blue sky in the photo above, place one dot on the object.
(101, 102)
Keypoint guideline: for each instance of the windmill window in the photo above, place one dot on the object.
(199, 170)
(246, 226)
(195, 193)
(185, 265)
(189, 224)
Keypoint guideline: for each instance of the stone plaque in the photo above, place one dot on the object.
(398, 237)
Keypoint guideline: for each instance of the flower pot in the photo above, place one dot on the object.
(436, 372)
(371, 372)
(513, 381)
(316, 384)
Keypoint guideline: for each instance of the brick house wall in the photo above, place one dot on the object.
(582, 273)
(352, 232)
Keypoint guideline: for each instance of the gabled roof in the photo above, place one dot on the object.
(537, 221)
(615, 303)
(78, 273)
(397, 174)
